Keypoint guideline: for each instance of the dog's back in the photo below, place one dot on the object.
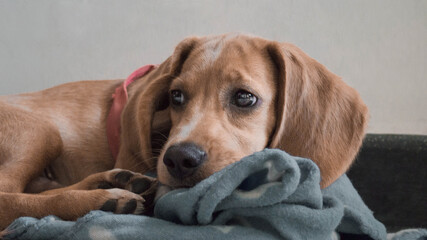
(77, 111)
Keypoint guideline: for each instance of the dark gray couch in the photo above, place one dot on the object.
(390, 173)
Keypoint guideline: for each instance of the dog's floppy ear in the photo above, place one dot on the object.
(150, 111)
(318, 115)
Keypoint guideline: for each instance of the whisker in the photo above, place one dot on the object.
(161, 135)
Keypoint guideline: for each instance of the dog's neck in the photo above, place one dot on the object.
(120, 97)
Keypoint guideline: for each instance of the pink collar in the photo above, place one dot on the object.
(120, 98)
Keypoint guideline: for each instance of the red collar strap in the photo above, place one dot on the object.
(120, 97)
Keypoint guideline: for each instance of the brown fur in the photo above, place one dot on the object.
(304, 109)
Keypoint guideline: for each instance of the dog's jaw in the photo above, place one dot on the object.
(161, 191)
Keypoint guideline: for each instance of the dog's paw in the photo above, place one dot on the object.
(72, 204)
(124, 179)
(134, 182)
(123, 202)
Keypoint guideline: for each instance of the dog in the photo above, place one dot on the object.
(215, 100)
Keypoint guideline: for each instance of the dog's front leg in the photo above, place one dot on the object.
(68, 205)
(117, 190)
(136, 183)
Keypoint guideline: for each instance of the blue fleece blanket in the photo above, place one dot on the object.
(268, 195)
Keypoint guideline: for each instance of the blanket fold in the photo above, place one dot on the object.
(267, 195)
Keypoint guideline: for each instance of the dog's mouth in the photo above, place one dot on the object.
(163, 188)
(161, 191)
(175, 183)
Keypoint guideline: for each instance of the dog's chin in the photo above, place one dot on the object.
(165, 188)
(161, 191)
(175, 183)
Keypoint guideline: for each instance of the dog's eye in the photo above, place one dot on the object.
(177, 97)
(244, 99)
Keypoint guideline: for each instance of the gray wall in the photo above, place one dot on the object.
(378, 47)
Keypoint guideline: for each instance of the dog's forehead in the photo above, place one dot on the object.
(231, 56)
(229, 47)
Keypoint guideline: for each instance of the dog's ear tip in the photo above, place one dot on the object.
(181, 53)
(188, 42)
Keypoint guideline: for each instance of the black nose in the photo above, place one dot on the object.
(183, 159)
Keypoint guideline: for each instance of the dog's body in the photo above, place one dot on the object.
(77, 124)
(215, 100)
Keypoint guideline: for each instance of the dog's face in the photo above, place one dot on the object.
(232, 95)
(221, 108)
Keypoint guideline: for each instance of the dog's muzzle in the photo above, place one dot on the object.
(183, 159)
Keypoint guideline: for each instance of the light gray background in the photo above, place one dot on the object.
(378, 47)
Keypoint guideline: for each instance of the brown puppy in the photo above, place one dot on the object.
(214, 101)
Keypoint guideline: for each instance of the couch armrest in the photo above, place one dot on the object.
(390, 174)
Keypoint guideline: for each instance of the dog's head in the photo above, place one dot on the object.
(232, 95)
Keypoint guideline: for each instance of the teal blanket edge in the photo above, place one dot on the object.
(267, 195)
